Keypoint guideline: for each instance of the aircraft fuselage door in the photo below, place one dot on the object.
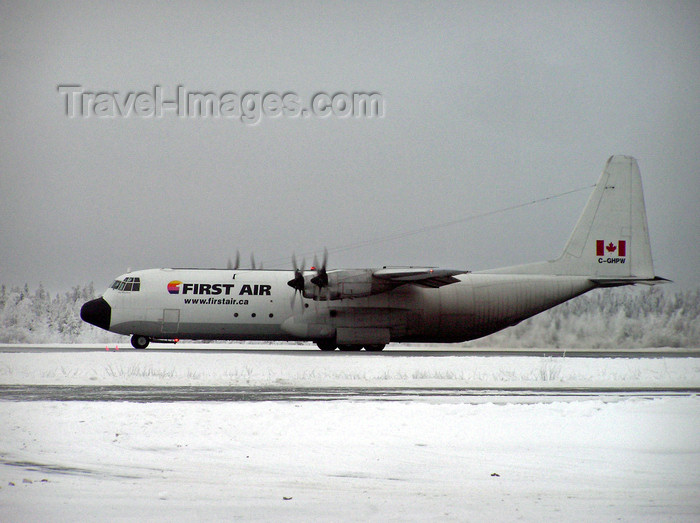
(171, 320)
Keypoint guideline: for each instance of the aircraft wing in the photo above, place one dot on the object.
(425, 277)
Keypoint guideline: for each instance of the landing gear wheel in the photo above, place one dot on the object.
(350, 347)
(375, 348)
(326, 345)
(139, 342)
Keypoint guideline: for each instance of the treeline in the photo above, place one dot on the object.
(37, 317)
(605, 318)
(610, 318)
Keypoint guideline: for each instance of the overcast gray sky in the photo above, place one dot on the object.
(486, 105)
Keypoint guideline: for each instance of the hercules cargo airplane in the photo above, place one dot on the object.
(350, 309)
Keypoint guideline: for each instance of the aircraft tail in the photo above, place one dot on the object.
(610, 243)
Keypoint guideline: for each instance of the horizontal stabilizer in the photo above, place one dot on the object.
(612, 282)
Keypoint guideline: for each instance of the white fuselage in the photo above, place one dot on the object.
(260, 305)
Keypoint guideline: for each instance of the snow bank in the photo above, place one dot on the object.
(317, 369)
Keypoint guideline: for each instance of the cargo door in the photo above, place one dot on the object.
(171, 320)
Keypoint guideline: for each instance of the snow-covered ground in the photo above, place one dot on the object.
(592, 459)
(318, 369)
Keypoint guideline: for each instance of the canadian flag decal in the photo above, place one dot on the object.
(618, 248)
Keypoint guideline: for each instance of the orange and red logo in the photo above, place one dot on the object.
(174, 287)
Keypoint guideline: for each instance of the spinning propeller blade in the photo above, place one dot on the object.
(234, 266)
(321, 278)
(297, 283)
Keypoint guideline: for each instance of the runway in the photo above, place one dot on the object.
(288, 432)
(165, 394)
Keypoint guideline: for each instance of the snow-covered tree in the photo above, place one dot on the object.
(34, 317)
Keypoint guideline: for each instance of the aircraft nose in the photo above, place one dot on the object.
(97, 312)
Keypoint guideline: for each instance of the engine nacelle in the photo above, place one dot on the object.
(345, 284)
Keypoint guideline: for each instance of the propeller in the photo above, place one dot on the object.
(297, 283)
(321, 278)
(252, 263)
(234, 266)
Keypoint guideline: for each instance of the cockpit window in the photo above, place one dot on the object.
(129, 284)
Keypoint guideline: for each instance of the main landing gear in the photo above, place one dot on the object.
(327, 345)
(139, 342)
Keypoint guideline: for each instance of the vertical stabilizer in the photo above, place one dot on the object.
(611, 239)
